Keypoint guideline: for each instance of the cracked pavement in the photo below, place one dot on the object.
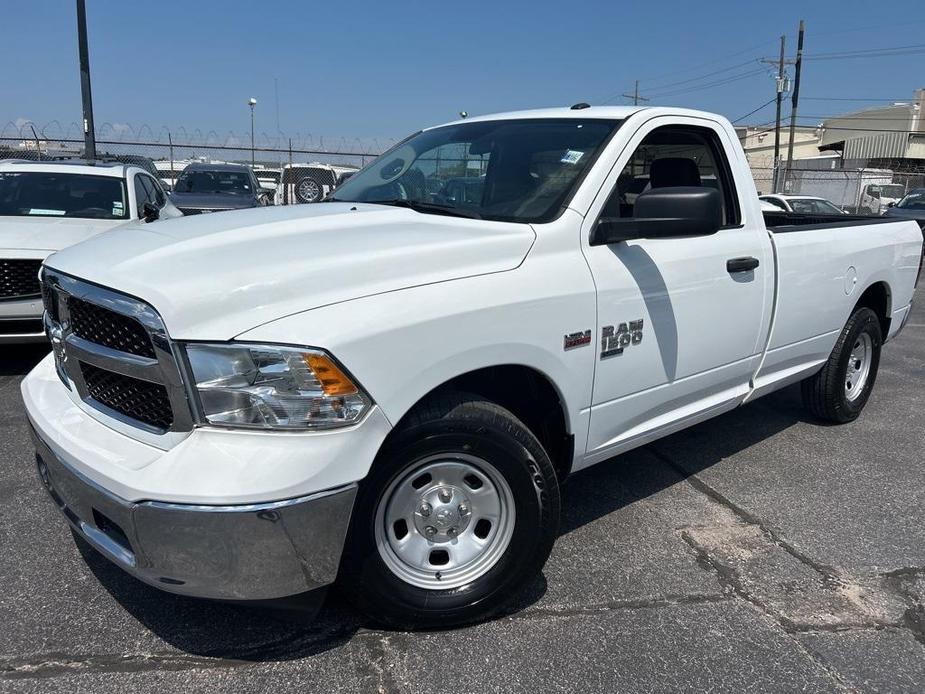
(759, 551)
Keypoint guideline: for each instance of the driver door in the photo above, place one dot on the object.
(679, 332)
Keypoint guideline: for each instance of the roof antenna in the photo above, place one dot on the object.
(580, 106)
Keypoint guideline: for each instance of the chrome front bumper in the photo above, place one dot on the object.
(21, 321)
(241, 552)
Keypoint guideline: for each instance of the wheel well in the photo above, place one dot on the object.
(529, 396)
(877, 298)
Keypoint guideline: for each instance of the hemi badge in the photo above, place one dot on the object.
(579, 339)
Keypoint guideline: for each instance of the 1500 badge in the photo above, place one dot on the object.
(615, 340)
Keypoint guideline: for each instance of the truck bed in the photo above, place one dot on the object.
(780, 222)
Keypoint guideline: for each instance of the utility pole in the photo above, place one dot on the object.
(635, 95)
(780, 98)
(796, 97)
(86, 97)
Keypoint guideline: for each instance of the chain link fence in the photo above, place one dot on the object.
(301, 168)
(862, 186)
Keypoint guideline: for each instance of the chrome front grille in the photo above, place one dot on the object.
(140, 400)
(108, 328)
(114, 351)
(19, 278)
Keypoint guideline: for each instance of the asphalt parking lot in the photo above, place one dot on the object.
(757, 552)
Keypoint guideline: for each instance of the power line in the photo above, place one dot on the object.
(765, 105)
(876, 130)
(664, 85)
(709, 74)
(709, 85)
(837, 117)
(868, 50)
(718, 59)
(869, 53)
(847, 98)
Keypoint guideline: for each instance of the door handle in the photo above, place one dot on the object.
(741, 264)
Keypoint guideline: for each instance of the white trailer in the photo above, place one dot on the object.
(864, 191)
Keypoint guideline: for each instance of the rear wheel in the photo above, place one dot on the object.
(457, 516)
(308, 189)
(839, 391)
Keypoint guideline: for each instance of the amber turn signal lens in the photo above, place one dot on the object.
(333, 380)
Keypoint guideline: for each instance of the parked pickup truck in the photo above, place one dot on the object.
(386, 390)
(47, 206)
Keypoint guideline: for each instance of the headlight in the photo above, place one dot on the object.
(273, 387)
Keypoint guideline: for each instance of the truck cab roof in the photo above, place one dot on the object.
(603, 112)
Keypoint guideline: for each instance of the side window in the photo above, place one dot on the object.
(803, 206)
(670, 156)
(141, 196)
(155, 195)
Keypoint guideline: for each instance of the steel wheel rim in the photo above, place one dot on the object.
(471, 526)
(858, 367)
(308, 189)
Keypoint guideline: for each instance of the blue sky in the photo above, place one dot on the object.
(382, 69)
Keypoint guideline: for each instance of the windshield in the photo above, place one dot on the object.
(913, 201)
(43, 194)
(232, 182)
(511, 170)
(895, 191)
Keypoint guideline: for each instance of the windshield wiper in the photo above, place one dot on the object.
(431, 207)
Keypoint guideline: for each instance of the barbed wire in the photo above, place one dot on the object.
(56, 130)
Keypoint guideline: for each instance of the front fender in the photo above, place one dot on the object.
(401, 345)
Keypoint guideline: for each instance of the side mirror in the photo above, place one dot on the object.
(150, 212)
(891, 203)
(674, 212)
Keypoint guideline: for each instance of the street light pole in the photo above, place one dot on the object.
(252, 102)
(86, 98)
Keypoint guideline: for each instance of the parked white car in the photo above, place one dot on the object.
(45, 207)
(388, 388)
(802, 204)
(765, 206)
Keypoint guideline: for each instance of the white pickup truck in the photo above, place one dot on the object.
(47, 206)
(388, 389)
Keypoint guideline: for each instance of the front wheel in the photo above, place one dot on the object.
(457, 516)
(839, 391)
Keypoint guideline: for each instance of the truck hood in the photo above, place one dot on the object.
(212, 201)
(212, 277)
(49, 233)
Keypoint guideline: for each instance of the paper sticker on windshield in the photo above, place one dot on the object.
(572, 156)
(56, 213)
(118, 204)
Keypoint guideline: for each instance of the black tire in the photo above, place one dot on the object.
(824, 393)
(308, 189)
(454, 423)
